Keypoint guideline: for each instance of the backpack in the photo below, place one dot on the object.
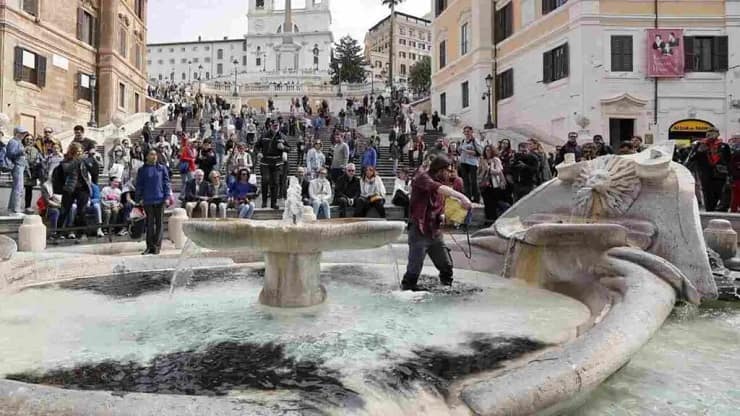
(6, 165)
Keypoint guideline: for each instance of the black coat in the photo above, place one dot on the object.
(348, 187)
(205, 190)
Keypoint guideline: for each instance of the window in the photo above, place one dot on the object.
(402, 54)
(260, 4)
(403, 69)
(220, 69)
(208, 75)
(172, 50)
(555, 64)
(621, 53)
(183, 61)
(184, 76)
(442, 54)
(465, 93)
(504, 22)
(207, 48)
(121, 95)
(137, 98)
(465, 38)
(411, 32)
(220, 54)
(706, 53)
(30, 6)
(402, 31)
(195, 60)
(195, 49)
(258, 61)
(550, 5)
(443, 103)
(207, 59)
(244, 60)
(182, 49)
(172, 61)
(149, 62)
(160, 77)
(412, 56)
(139, 7)
(439, 6)
(85, 27)
(159, 50)
(402, 41)
(122, 42)
(84, 91)
(505, 84)
(244, 46)
(29, 67)
(160, 62)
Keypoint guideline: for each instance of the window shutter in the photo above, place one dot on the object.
(616, 53)
(18, 64)
(566, 61)
(688, 51)
(547, 67)
(719, 54)
(79, 85)
(41, 70)
(80, 18)
(95, 33)
(627, 57)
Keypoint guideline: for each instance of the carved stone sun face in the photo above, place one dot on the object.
(606, 187)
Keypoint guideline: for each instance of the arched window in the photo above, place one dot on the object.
(160, 77)
(208, 75)
(184, 76)
(316, 56)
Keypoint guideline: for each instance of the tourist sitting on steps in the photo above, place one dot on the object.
(346, 190)
(218, 203)
(372, 194)
(197, 195)
(320, 194)
(242, 194)
(426, 215)
(401, 189)
(305, 183)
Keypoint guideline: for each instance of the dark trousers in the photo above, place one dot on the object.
(401, 199)
(270, 177)
(79, 197)
(154, 216)
(469, 175)
(363, 205)
(419, 247)
(494, 202)
(343, 203)
(28, 194)
(712, 190)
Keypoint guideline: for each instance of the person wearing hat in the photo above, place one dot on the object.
(571, 146)
(426, 208)
(16, 155)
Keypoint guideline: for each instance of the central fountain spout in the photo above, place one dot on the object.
(292, 247)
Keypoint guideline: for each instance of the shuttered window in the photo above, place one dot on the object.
(706, 53)
(504, 22)
(555, 64)
(86, 27)
(442, 54)
(505, 84)
(30, 6)
(29, 67)
(621, 53)
(550, 5)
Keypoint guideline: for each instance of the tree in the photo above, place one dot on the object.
(420, 75)
(391, 5)
(348, 52)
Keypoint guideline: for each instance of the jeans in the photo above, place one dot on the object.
(15, 203)
(79, 197)
(52, 216)
(154, 216)
(469, 174)
(319, 206)
(246, 210)
(220, 158)
(419, 247)
(218, 209)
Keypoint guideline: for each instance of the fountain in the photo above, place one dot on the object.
(293, 246)
(594, 263)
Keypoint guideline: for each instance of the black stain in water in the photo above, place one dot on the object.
(216, 371)
(437, 369)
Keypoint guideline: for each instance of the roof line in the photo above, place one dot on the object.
(398, 14)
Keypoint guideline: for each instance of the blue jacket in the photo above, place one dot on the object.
(152, 184)
(239, 190)
(369, 158)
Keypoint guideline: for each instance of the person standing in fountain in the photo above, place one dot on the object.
(426, 214)
(153, 191)
(271, 148)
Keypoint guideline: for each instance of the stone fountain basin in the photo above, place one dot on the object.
(281, 237)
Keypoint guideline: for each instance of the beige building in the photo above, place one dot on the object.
(57, 53)
(413, 40)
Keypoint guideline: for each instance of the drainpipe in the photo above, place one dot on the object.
(494, 99)
(655, 79)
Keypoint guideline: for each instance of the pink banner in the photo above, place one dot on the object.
(665, 53)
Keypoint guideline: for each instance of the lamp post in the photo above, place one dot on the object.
(339, 74)
(264, 61)
(93, 85)
(236, 91)
(200, 77)
(488, 94)
(189, 66)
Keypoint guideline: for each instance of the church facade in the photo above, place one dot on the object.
(286, 41)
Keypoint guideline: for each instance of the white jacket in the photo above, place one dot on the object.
(320, 189)
(368, 189)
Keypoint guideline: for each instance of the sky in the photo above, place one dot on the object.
(184, 20)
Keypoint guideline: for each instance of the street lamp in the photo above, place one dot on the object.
(488, 94)
(339, 74)
(264, 61)
(200, 75)
(93, 84)
(236, 92)
(189, 63)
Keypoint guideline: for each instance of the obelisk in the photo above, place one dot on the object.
(287, 58)
(288, 25)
